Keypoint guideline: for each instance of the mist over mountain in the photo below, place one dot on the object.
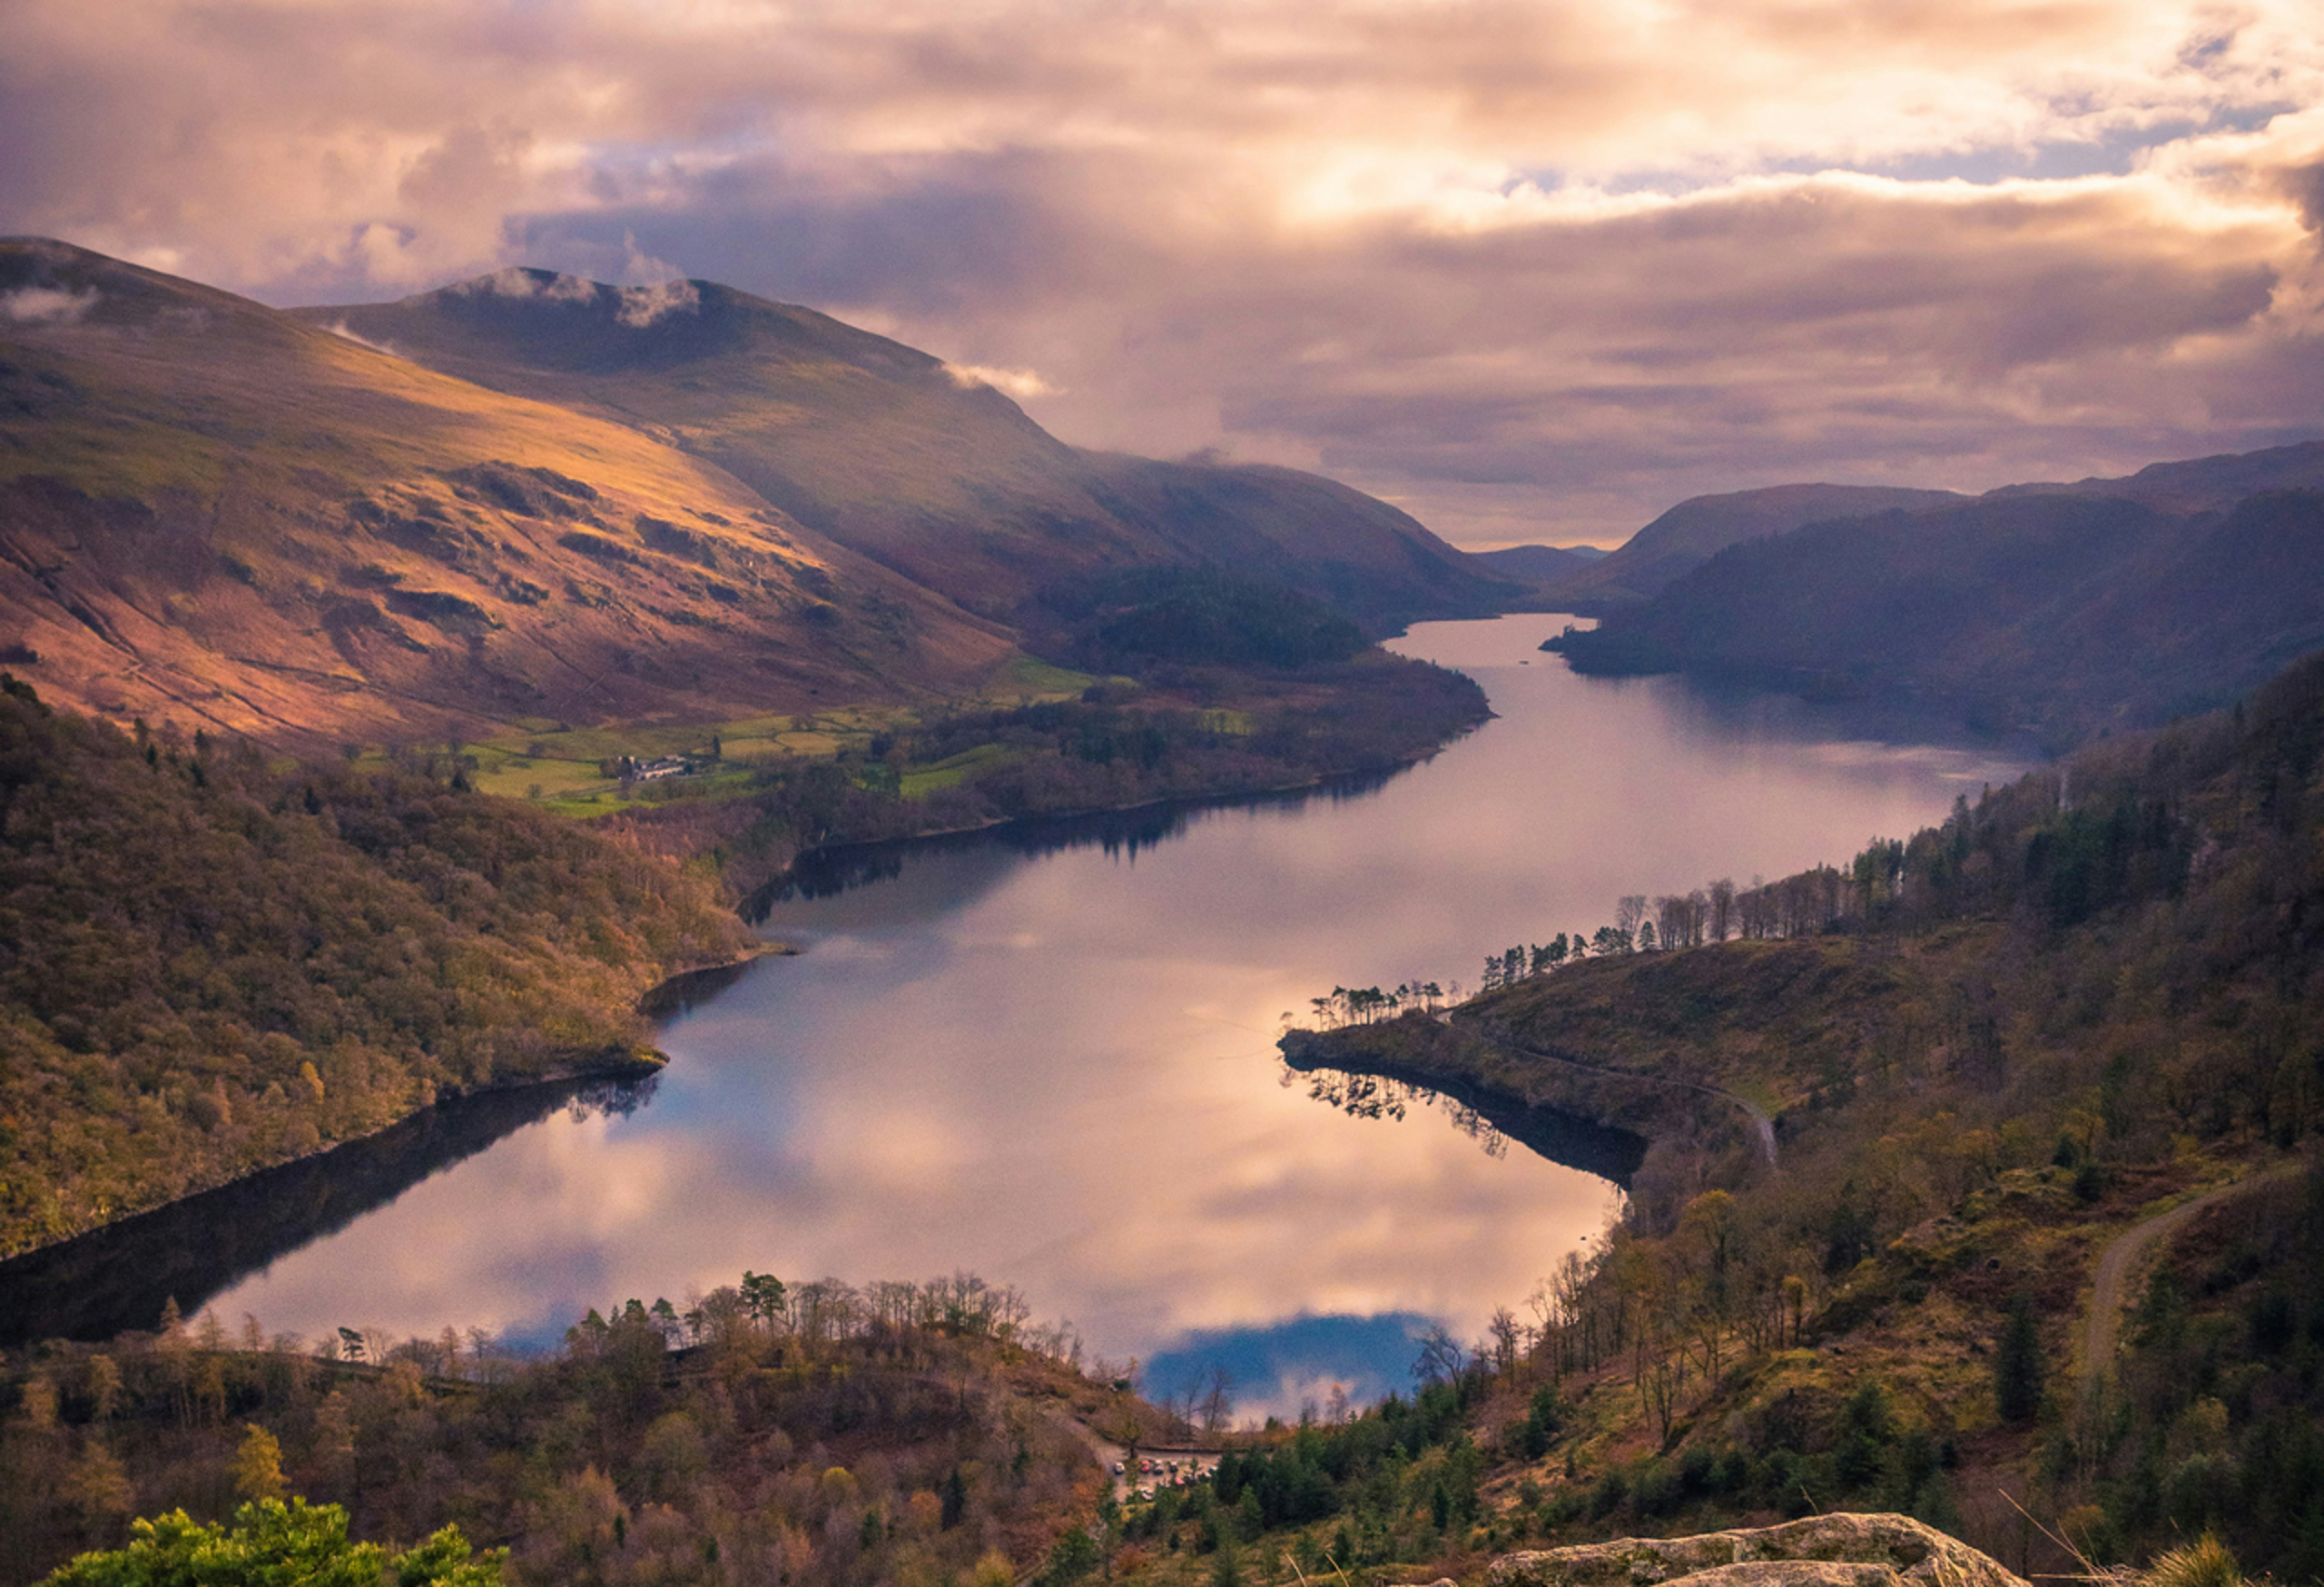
(532, 498)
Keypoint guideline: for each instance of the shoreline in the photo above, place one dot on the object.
(679, 989)
(1564, 1135)
(116, 1277)
(1413, 1049)
(621, 1064)
(787, 874)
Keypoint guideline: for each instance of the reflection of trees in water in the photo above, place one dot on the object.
(1122, 833)
(611, 1098)
(1491, 1118)
(1379, 1096)
(119, 1277)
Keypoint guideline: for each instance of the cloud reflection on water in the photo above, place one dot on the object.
(1056, 1069)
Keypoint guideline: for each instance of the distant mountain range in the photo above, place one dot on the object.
(532, 499)
(1541, 564)
(2058, 610)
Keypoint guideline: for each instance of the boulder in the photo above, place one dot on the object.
(1821, 1550)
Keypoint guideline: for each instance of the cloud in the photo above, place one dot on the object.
(1022, 384)
(642, 306)
(1520, 263)
(46, 305)
(340, 328)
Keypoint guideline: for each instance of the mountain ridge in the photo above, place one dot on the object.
(669, 503)
(891, 450)
(211, 509)
(2058, 614)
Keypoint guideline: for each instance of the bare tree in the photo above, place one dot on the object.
(1217, 1405)
(1628, 913)
(1441, 1357)
(1504, 1330)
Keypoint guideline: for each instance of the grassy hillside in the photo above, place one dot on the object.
(891, 452)
(1991, 1051)
(214, 512)
(1691, 533)
(211, 963)
(2058, 614)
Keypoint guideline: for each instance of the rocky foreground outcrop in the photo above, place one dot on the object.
(1822, 1550)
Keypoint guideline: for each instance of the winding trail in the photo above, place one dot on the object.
(1763, 1124)
(2121, 1258)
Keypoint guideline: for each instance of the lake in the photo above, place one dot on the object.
(1048, 1057)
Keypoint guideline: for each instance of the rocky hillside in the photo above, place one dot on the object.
(531, 501)
(1822, 1550)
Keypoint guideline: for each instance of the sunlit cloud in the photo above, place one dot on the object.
(1527, 268)
(1022, 384)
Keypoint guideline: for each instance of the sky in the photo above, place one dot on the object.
(1531, 271)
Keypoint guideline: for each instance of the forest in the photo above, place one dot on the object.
(213, 960)
(905, 1432)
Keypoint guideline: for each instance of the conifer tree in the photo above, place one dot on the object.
(2019, 1369)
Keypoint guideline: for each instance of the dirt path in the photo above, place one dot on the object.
(1763, 1125)
(2120, 1263)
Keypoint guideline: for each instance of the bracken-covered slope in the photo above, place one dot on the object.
(893, 452)
(211, 511)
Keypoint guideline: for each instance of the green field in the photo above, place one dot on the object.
(944, 774)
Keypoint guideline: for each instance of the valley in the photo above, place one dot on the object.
(399, 694)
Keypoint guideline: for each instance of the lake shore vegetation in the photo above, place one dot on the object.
(1181, 731)
(1991, 1053)
(211, 960)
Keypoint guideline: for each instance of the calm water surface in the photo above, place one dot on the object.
(1056, 1068)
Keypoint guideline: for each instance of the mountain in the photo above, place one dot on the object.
(898, 456)
(1541, 564)
(1701, 527)
(216, 512)
(2198, 484)
(2065, 611)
